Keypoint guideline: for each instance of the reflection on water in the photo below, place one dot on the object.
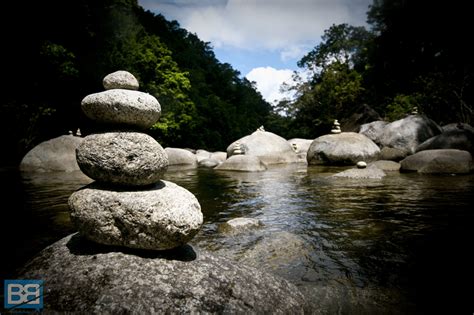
(397, 245)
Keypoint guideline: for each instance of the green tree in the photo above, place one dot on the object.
(334, 87)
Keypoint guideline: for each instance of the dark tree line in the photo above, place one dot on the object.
(57, 52)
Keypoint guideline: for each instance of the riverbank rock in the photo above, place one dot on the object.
(443, 161)
(178, 156)
(243, 163)
(346, 148)
(268, 147)
(84, 277)
(122, 107)
(54, 155)
(123, 158)
(120, 80)
(159, 217)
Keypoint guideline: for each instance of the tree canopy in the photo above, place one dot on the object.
(63, 49)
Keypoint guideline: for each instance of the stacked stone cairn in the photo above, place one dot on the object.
(128, 204)
(237, 150)
(336, 127)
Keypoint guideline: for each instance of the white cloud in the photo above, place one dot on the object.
(269, 80)
(262, 24)
(294, 52)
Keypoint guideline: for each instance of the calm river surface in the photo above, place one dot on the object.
(400, 245)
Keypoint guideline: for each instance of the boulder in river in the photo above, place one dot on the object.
(54, 155)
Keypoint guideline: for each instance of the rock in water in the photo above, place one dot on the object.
(55, 155)
(84, 277)
(163, 216)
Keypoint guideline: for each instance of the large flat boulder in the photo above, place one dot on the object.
(83, 277)
(54, 155)
(346, 148)
(267, 146)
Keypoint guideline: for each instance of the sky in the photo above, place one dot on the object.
(262, 39)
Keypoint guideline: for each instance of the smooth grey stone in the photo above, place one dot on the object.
(122, 107)
(346, 148)
(120, 80)
(268, 147)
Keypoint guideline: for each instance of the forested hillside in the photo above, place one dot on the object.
(59, 51)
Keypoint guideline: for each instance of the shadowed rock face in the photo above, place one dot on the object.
(84, 277)
(461, 139)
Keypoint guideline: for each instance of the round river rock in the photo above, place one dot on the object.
(123, 158)
(162, 216)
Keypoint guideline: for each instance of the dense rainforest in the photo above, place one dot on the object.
(414, 54)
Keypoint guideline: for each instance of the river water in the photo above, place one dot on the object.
(400, 245)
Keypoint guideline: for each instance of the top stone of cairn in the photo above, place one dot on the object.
(120, 80)
(121, 106)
